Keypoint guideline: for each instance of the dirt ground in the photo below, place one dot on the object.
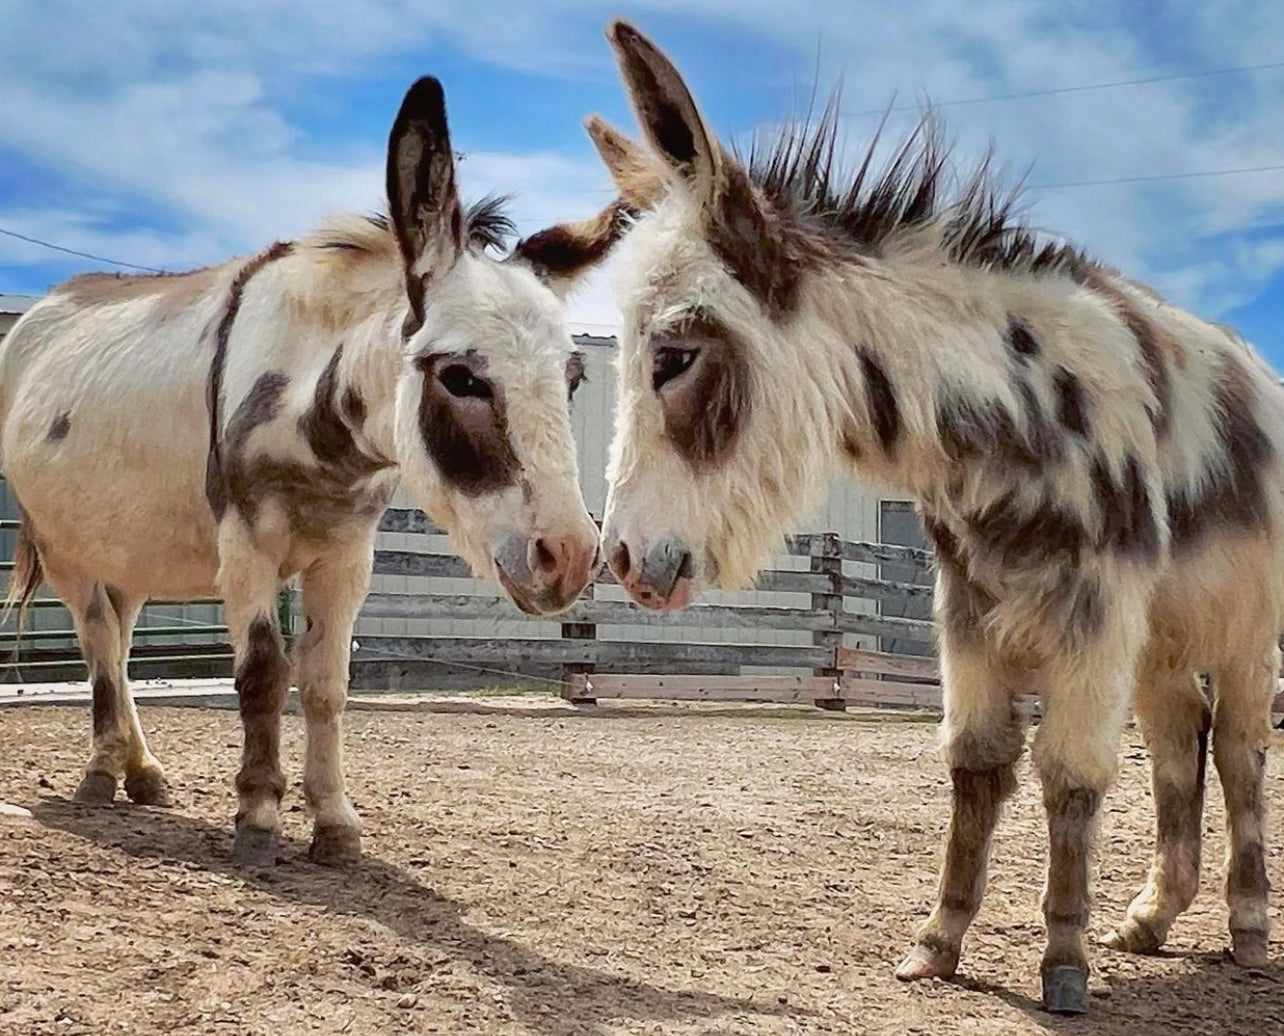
(633, 871)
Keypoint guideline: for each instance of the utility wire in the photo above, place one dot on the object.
(1155, 177)
(1082, 88)
(73, 251)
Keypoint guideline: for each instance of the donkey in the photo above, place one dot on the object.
(218, 431)
(1099, 471)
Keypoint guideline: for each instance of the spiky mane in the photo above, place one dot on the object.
(799, 171)
(486, 223)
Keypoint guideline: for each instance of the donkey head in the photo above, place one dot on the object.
(713, 452)
(483, 427)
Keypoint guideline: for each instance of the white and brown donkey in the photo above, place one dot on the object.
(218, 431)
(1100, 473)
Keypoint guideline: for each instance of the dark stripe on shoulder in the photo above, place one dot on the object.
(1129, 525)
(880, 400)
(215, 488)
(1151, 342)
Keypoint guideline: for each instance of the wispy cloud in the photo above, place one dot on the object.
(179, 134)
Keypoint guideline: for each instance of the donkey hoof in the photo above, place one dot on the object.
(335, 846)
(254, 846)
(1133, 936)
(148, 788)
(1248, 948)
(927, 961)
(96, 789)
(1065, 989)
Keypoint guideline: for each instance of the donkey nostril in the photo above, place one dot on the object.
(545, 560)
(619, 560)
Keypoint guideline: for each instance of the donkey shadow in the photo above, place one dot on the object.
(540, 988)
(1219, 997)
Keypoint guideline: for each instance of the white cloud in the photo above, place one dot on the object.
(173, 107)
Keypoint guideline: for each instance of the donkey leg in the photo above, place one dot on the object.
(248, 581)
(98, 630)
(984, 736)
(1076, 753)
(144, 777)
(333, 589)
(1174, 719)
(1241, 734)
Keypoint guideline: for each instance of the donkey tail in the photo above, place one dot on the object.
(26, 577)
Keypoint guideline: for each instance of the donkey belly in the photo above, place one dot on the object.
(110, 470)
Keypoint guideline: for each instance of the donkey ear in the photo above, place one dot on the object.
(560, 255)
(666, 110)
(425, 207)
(638, 174)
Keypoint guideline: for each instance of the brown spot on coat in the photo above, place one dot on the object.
(1072, 404)
(705, 409)
(970, 428)
(328, 434)
(977, 798)
(1232, 493)
(1021, 339)
(1129, 524)
(466, 439)
(60, 427)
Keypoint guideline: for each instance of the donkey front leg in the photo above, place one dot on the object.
(333, 589)
(1245, 691)
(248, 581)
(1076, 748)
(984, 737)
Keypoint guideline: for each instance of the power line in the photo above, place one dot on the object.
(1155, 177)
(73, 251)
(1083, 88)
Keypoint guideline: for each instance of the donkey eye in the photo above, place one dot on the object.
(668, 363)
(460, 382)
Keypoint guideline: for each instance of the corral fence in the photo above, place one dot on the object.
(831, 644)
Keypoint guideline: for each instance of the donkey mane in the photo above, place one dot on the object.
(801, 173)
(487, 224)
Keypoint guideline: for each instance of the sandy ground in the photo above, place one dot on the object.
(632, 871)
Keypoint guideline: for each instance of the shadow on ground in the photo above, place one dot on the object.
(540, 987)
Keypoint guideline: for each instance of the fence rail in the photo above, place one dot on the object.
(821, 623)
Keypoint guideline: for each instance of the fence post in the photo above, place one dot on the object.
(826, 558)
(578, 631)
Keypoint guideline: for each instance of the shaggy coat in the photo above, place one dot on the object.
(219, 431)
(1100, 473)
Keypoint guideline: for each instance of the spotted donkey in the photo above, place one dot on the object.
(220, 430)
(1099, 471)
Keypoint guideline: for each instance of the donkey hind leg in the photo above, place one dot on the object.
(104, 619)
(1076, 750)
(984, 737)
(248, 583)
(1174, 718)
(333, 589)
(145, 782)
(1241, 733)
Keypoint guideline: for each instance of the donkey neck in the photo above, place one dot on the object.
(940, 368)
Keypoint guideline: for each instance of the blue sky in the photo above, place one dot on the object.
(168, 134)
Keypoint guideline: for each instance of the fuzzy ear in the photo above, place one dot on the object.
(666, 110)
(422, 196)
(638, 174)
(561, 254)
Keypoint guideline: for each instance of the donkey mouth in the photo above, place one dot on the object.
(527, 603)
